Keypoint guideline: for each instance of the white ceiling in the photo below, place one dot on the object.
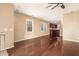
(39, 10)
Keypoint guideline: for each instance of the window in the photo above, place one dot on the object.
(43, 27)
(29, 26)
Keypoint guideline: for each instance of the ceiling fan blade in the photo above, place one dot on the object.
(55, 6)
(52, 3)
(48, 6)
(55, 3)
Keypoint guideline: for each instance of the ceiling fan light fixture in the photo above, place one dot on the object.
(62, 6)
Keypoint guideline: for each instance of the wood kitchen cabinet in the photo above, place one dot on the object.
(54, 33)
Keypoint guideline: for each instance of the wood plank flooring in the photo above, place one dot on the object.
(42, 47)
(36, 47)
(71, 48)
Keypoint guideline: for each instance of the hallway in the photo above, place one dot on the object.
(35, 30)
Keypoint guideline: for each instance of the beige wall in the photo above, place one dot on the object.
(7, 24)
(20, 27)
(71, 26)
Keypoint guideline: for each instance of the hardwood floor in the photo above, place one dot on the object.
(42, 47)
(71, 48)
(36, 47)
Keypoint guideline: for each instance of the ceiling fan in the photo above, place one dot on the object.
(55, 5)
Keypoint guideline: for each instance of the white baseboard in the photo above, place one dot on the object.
(3, 53)
(30, 38)
(73, 40)
(6, 48)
